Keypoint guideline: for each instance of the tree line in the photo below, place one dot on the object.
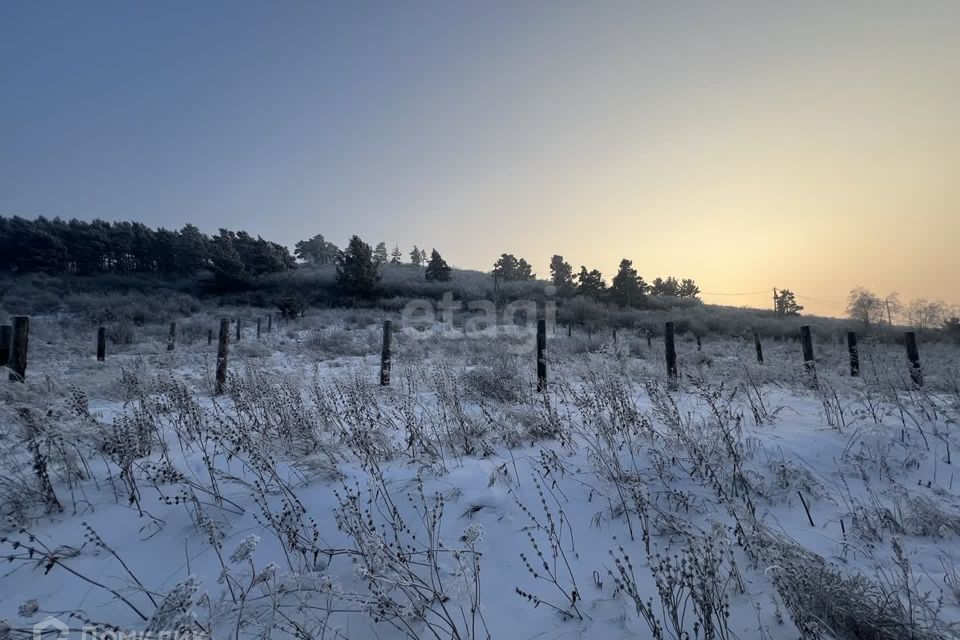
(98, 247)
(235, 258)
(357, 274)
(627, 288)
(867, 308)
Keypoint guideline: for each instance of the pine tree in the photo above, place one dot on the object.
(89, 248)
(316, 250)
(668, 287)
(524, 270)
(357, 273)
(165, 250)
(785, 303)
(192, 252)
(259, 256)
(688, 289)
(395, 256)
(41, 251)
(437, 269)
(590, 283)
(508, 267)
(505, 268)
(628, 288)
(225, 261)
(415, 256)
(380, 254)
(561, 274)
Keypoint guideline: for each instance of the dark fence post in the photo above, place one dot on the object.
(854, 353)
(101, 344)
(699, 343)
(649, 338)
(238, 329)
(541, 354)
(670, 351)
(258, 328)
(614, 336)
(385, 353)
(172, 337)
(569, 330)
(270, 323)
(18, 348)
(913, 355)
(756, 342)
(222, 352)
(6, 332)
(209, 337)
(806, 340)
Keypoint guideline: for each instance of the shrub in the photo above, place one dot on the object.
(291, 307)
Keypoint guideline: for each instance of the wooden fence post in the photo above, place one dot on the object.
(6, 332)
(209, 337)
(699, 344)
(913, 355)
(854, 353)
(222, 352)
(238, 329)
(806, 340)
(649, 338)
(258, 328)
(670, 351)
(569, 331)
(756, 342)
(541, 355)
(101, 344)
(270, 323)
(172, 337)
(614, 335)
(385, 353)
(18, 348)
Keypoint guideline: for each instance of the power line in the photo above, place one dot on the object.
(820, 300)
(748, 293)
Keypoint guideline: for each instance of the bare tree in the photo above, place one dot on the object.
(864, 305)
(926, 314)
(892, 306)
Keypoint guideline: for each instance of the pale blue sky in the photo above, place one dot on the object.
(690, 136)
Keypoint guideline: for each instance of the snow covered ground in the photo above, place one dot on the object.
(754, 501)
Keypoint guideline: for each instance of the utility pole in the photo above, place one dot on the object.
(889, 317)
(774, 299)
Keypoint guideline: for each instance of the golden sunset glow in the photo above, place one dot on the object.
(812, 146)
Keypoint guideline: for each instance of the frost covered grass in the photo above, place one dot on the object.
(752, 502)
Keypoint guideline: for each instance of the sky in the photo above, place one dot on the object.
(748, 145)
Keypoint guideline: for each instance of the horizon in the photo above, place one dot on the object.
(835, 309)
(747, 147)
